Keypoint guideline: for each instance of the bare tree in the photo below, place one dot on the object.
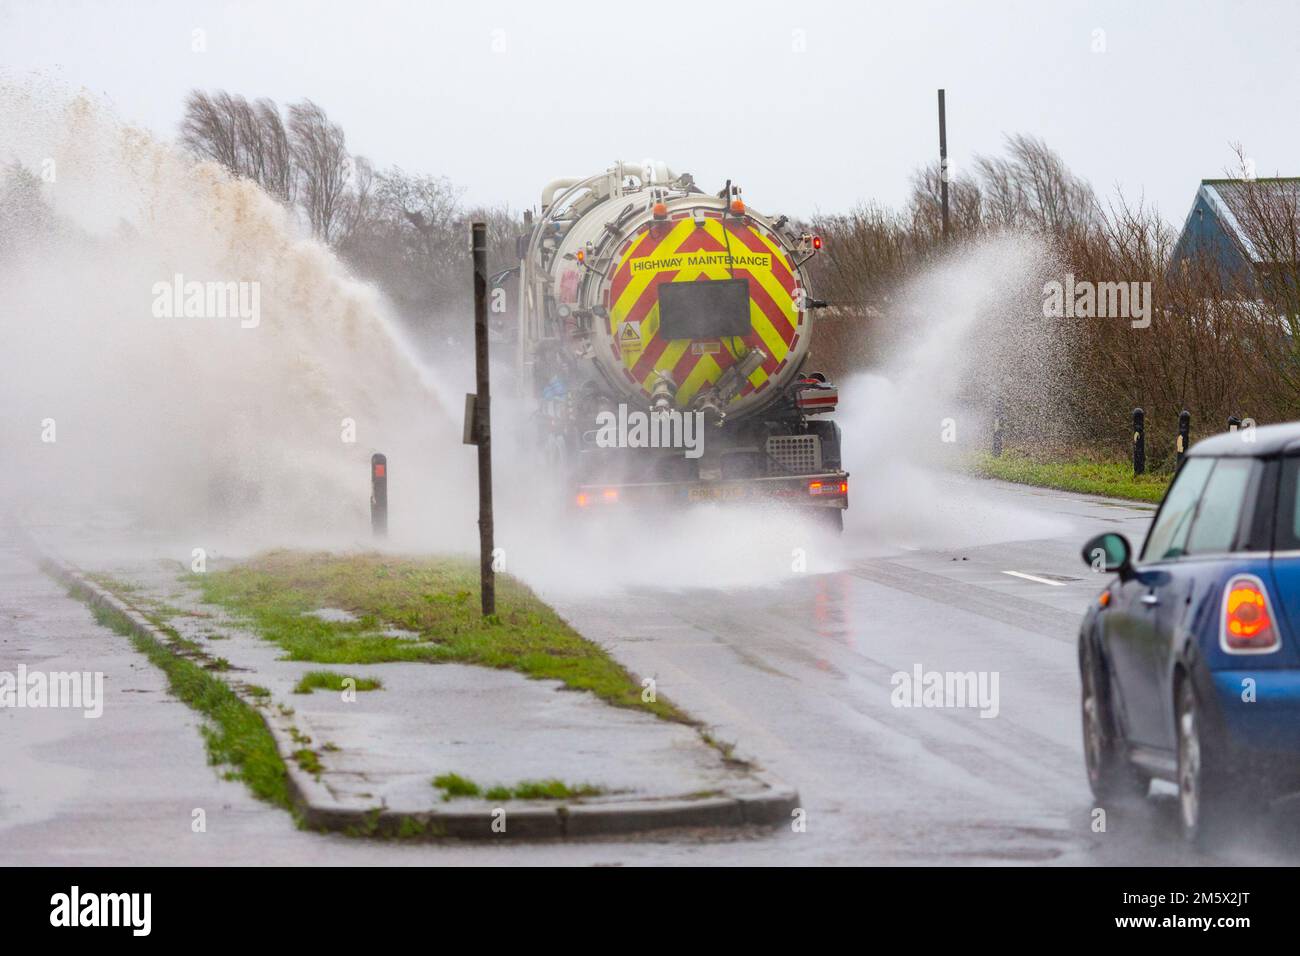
(24, 213)
(248, 140)
(211, 130)
(1032, 187)
(324, 168)
(965, 203)
(278, 176)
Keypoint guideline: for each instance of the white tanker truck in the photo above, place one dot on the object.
(662, 335)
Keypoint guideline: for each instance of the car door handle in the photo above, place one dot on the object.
(1150, 600)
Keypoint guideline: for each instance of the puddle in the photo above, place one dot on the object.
(333, 614)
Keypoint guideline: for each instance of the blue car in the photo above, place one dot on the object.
(1190, 658)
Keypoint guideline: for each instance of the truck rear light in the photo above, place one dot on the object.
(1248, 623)
(610, 494)
(582, 500)
(828, 487)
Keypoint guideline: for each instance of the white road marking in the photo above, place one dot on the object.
(1030, 577)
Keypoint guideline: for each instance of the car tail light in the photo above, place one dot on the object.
(1248, 623)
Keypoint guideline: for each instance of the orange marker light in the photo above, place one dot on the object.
(659, 210)
(581, 256)
(1247, 611)
(610, 494)
(737, 207)
(582, 501)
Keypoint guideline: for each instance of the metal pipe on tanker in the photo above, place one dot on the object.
(553, 187)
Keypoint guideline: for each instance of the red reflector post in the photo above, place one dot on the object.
(378, 495)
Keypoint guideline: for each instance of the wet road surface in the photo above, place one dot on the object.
(800, 675)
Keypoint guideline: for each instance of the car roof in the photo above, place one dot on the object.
(1259, 442)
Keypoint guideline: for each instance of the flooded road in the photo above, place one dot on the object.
(805, 677)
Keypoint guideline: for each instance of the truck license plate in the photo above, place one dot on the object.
(724, 493)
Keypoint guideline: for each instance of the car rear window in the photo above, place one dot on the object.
(1218, 515)
(1168, 535)
(1288, 507)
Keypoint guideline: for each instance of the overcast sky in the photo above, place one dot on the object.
(810, 106)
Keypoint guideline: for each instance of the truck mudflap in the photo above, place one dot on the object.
(826, 490)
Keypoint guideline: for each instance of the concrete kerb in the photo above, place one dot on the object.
(320, 809)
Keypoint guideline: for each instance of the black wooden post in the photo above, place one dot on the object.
(1139, 442)
(483, 421)
(1184, 434)
(943, 165)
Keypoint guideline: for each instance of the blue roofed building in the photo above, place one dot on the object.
(1248, 227)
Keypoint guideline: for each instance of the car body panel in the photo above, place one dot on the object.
(1162, 619)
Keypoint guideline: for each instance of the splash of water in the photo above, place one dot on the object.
(201, 427)
(203, 432)
(976, 329)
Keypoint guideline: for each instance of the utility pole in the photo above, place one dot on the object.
(943, 164)
(482, 426)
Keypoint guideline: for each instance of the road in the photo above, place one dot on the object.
(798, 674)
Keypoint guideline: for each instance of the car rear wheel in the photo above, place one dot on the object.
(1110, 774)
(1205, 792)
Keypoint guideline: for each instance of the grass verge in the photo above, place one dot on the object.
(1088, 476)
(434, 599)
(236, 736)
(454, 785)
(328, 680)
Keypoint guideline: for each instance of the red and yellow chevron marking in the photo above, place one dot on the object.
(661, 252)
